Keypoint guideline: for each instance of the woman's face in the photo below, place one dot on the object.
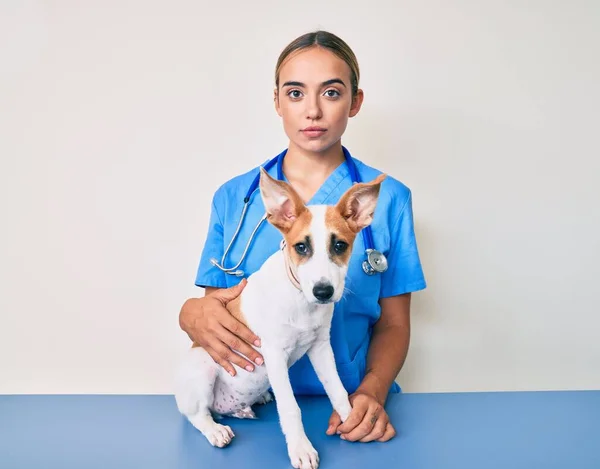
(314, 99)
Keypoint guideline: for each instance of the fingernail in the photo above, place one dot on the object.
(343, 437)
(231, 373)
(338, 432)
(249, 368)
(259, 361)
(257, 343)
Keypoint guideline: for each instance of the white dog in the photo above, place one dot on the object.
(289, 304)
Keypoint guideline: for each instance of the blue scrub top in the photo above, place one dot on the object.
(358, 310)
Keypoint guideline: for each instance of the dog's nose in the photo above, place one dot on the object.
(323, 291)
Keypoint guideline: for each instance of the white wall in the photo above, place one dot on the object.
(119, 119)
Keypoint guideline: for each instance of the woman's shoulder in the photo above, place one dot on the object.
(393, 190)
(237, 186)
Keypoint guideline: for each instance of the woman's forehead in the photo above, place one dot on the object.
(314, 66)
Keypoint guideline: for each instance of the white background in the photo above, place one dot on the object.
(118, 120)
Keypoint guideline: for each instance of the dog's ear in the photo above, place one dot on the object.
(358, 203)
(282, 202)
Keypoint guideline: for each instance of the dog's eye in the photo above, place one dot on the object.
(301, 248)
(340, 247)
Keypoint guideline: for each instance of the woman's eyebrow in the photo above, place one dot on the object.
(334, 80)
(299, 84)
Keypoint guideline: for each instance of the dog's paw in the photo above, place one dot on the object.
(343, 408)
(302, 454)
(219, 435)
(245, 413)
(266, 397)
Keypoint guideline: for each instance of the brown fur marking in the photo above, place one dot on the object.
(338, 225)
(235, 308)
(297, 234)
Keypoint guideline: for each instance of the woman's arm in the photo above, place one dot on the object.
(389, 346)
(390, 338)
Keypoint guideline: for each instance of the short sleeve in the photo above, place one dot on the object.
(405, 273)
(208, 275)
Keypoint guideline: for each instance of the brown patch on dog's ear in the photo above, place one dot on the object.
(282, 203)
(358, 203)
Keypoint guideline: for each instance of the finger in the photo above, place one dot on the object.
(219, 361)
(334, 422)
(364, 427)
(390, 433)
(231, 293)
(234, 342)
(241, 330)
(356, 416)
(228, 355)
(378, 430)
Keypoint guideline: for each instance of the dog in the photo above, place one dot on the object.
(289, 304)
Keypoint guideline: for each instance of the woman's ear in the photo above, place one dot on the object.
(357, 101)
(276, 101)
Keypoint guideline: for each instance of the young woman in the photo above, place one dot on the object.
(316, 92)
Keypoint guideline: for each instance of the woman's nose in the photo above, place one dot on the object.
(313, 110)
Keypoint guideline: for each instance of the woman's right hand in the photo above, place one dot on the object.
(209, 324)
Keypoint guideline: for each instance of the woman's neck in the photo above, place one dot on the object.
(307, 171)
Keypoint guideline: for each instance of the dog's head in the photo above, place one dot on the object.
(319, 238)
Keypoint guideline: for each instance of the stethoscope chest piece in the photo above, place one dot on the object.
(376, 262)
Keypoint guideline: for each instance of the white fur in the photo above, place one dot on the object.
(320, 267)
(290, 323)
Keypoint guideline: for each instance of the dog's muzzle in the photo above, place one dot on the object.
(323, 291)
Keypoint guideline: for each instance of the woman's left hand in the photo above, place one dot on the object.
(368, 421)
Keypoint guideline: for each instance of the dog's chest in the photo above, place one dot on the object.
(296, 341)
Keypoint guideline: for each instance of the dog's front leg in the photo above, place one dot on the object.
(300, 450)
(323, 361)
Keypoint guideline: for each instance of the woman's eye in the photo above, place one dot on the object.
(294, 94)
(301, 248)
(340, 247)
(332, 93)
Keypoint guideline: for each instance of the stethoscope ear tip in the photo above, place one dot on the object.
(237, 273)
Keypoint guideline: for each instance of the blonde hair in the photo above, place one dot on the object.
(327, 41)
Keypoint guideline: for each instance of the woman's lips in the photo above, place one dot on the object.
(314, 132)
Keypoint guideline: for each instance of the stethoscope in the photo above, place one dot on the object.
(375, 261)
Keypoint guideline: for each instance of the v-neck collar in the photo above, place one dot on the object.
(329, 185)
